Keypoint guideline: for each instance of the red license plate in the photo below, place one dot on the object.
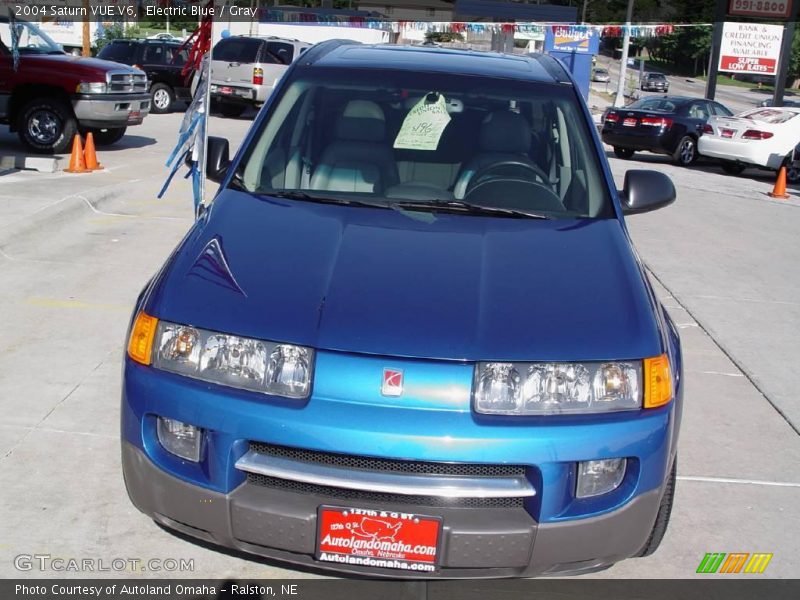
(134, 115)
(629, 122)
(378, 538)
(726, 133)
(225, 90)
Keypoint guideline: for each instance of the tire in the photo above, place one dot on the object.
(162, 97)
(231, 110)
(732, 168)
(47, 125)
(686, 152)
(621, 152)
(662, 517)
(106, 137)
(792, 169)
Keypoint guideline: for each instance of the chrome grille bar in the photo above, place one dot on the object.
(385, 482)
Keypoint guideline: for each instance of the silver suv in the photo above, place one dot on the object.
(244, 70)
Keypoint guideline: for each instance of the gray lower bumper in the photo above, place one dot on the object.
(109, 111)
(476, 542)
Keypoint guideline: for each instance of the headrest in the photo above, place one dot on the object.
(362, 121)
(505, 131)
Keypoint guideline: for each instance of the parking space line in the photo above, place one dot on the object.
(57, 303)
(721, 373)
(737, 481)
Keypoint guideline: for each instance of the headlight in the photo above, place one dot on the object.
(92, 87)
(557, 388)
(268, 367)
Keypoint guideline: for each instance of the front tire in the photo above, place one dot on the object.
(662, 517)
(732, 168)
(47, 125)
(621, 152)
(162, 97)
(106, 137)
(686, 152)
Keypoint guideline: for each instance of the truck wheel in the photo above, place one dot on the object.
(231, 110)
(47, 125)
(106, 137)
(792, 169)
(621, 152)
(662, 518)
(161, 98)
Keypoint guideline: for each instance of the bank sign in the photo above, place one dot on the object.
(750, 48)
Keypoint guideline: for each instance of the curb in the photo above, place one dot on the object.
(59, 212)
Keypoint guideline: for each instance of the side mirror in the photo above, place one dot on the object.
(644, 191)
(217, 161)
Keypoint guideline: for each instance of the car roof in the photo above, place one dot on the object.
(534, 67)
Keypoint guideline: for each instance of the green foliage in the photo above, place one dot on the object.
(443, 36)
(115, 32)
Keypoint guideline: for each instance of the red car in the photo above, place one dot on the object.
(51, 95)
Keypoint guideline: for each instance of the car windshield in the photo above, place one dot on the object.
(414, 140)
(769, 115)
(30, 39)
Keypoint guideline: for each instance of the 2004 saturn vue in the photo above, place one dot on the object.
(410, 336)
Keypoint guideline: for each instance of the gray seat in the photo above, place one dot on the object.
(359, 159)
(504, 136)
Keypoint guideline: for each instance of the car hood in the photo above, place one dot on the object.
(379, 281)
(75, 65)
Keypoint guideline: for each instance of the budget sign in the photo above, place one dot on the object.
(750, 48)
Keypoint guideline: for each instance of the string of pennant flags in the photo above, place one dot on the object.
(615, 30)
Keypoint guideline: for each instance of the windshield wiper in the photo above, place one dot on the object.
(306, 197)
(466, 207)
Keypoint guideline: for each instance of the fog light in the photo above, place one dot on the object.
(179, 438)
(597, 477)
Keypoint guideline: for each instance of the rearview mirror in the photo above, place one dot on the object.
(644, 191)
(217, 161)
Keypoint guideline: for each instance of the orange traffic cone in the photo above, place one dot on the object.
(89, 155)
(779, 191)
(76, 162)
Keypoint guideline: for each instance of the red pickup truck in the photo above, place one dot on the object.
(51, 95)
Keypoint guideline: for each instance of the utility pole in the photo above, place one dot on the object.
(583, 12)
(623, 65)
(716, 42)
(785, 57)
(87, 36)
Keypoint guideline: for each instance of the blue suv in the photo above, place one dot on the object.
(410, 336)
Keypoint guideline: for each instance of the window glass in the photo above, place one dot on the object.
(237, 49)
(279, 53)
(769, 115)
(121, 52)
(153, 54)
(394, 138)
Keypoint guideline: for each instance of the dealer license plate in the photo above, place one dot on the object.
(135, 115)
(629, 122)
(726, 133)
(226, 90)
(378, 538)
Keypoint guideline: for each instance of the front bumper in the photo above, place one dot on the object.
(282, 525)
(551, 532)
(111, 110)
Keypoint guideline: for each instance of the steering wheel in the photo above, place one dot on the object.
(488, 172)
(527, 173)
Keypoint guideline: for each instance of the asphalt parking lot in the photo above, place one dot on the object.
(75, 250)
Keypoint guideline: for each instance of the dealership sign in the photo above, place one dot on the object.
(750, 48)
(774, 9)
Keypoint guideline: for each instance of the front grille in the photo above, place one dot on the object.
(366, 463)
(127, 83)
(378, 498)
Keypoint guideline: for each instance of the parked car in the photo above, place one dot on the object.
(786, 102)
(343, 366)
(244, 70)
(662, 124)
(654, 82)
(600, 74)
(162, 60)
(762, 137)
(52, 95)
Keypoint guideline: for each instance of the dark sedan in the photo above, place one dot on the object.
(667, 125)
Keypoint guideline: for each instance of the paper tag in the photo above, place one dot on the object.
(423, 125)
